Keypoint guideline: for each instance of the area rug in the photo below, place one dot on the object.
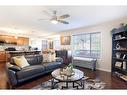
(89, 83)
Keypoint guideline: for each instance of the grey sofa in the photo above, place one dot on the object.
(36, 68)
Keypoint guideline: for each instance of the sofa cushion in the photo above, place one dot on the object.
(30, 70)
(34, 59)
(52, 65)
(40, 59)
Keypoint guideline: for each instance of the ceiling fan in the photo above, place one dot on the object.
(56, 19)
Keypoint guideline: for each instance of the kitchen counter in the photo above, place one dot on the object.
(11, 54)
(33, 51)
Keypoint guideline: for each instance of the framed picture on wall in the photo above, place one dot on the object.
(65, 40)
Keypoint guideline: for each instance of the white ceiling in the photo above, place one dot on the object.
(26, 18)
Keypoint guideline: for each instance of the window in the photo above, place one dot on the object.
(56, 43)
(87, 45)
(44, 44)
(36, 43)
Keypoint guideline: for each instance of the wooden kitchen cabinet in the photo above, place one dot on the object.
(22, 41)
(2, 56)
(6, 39)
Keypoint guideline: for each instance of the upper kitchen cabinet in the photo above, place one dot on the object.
(5, 39)
(22, 41)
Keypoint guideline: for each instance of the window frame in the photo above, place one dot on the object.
(86, 33)
(56, 42)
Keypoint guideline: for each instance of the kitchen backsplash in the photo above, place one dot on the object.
(3, 47)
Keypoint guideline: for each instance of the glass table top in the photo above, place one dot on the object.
(77, 75)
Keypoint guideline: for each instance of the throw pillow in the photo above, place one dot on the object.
(54, 57)
(21, 61)
(47, 57)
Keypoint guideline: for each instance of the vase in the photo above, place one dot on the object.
(117, 46)
(69, 71)
(118, 55)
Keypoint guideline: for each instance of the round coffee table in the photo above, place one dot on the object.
(76, 78)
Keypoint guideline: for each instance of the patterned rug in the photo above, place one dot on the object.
(88, 84)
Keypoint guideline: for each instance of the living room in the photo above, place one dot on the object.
(63, 47)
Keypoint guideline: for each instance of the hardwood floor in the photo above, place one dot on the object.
(112, 82)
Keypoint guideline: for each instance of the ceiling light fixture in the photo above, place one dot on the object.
(54, 21)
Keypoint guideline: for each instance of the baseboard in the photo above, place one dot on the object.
(107, 70)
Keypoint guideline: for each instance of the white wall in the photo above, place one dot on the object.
(104, 63)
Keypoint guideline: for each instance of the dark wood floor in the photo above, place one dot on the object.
(112, 82)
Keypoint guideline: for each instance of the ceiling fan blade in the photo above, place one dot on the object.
(43, 19)
(64, 22)
(47, 13)
(54, 12)
(64, 16)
